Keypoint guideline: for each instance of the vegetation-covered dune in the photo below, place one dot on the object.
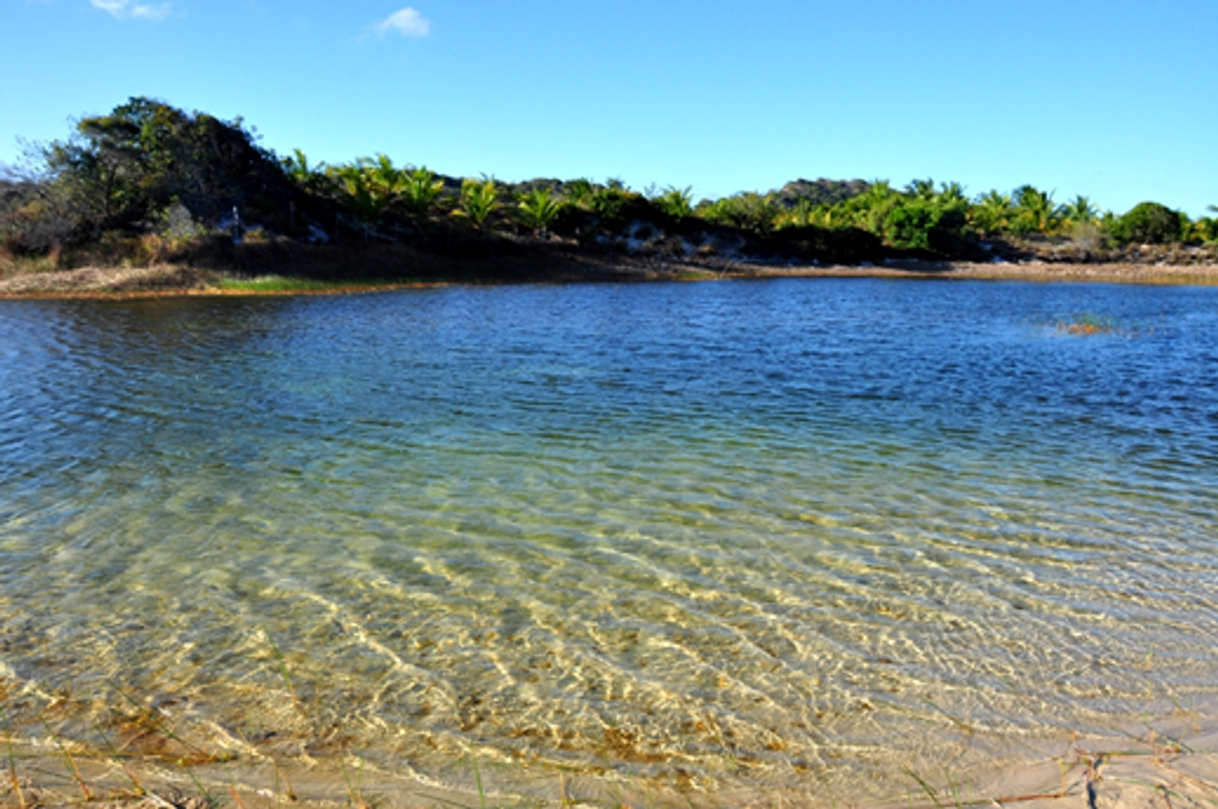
(150, 184)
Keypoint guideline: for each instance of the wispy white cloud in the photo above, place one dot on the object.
(407, 22)
(123, 9)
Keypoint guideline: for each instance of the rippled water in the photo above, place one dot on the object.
(720, 538)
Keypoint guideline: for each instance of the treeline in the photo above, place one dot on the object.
(149, 176)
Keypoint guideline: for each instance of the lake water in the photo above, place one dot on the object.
(707, 540)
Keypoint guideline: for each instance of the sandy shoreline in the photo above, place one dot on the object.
(1170, 763)
(175, 280)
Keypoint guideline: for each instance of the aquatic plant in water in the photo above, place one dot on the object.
(1089, 324)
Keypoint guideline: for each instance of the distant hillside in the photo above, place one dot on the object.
(820, 192)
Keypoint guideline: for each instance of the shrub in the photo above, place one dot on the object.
(838, 245)
(924, 225)
(1148, 223)
(572, 220)
(539, 208)
(609, 205)
(616, 207)
(578, 192)
(479, 199)
(756, 214)
(420, 191)
(1206, 228)
(674, 203)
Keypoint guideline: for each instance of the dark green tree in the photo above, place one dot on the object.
(122, 169)
(1148, 223)
(922, 224)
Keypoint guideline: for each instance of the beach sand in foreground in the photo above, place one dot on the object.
(1170, 762)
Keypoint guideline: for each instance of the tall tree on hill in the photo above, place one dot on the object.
(121, 169)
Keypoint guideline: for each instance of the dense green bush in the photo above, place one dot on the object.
(1206, 229)
(924, 225)
(753, 213)
(1148, 223)
(616, 207)
(674, 203)
(840, 245)
(574, 221)
(539, 208)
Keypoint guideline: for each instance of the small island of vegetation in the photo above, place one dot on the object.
(150, 197)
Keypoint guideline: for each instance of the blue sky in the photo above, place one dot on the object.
(1117, 100)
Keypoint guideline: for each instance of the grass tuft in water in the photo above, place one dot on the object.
(283, 671)
(118, 759)
(80, 781)
(200, 755)
(354, 787)
(14, 780)
(927, 788)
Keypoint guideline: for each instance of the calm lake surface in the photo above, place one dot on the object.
(780, 537)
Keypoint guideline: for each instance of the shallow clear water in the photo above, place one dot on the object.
(719, 537)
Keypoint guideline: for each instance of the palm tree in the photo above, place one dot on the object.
(1035, 210)
(992, 213)
(369, 187)
(921, 189)
(675, 202)
(1080, 211)
(420, 190)
(869, 209)
(579, 192)
(539, 208)
(479, 199)
(386, 180)
(748, 211)
(801, 213)
(951, 194)
(360, 196)
(1208, 225)
(309, 177)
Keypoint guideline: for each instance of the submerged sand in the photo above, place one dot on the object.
(1168, 762)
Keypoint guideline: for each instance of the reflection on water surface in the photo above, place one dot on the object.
(736, 538)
